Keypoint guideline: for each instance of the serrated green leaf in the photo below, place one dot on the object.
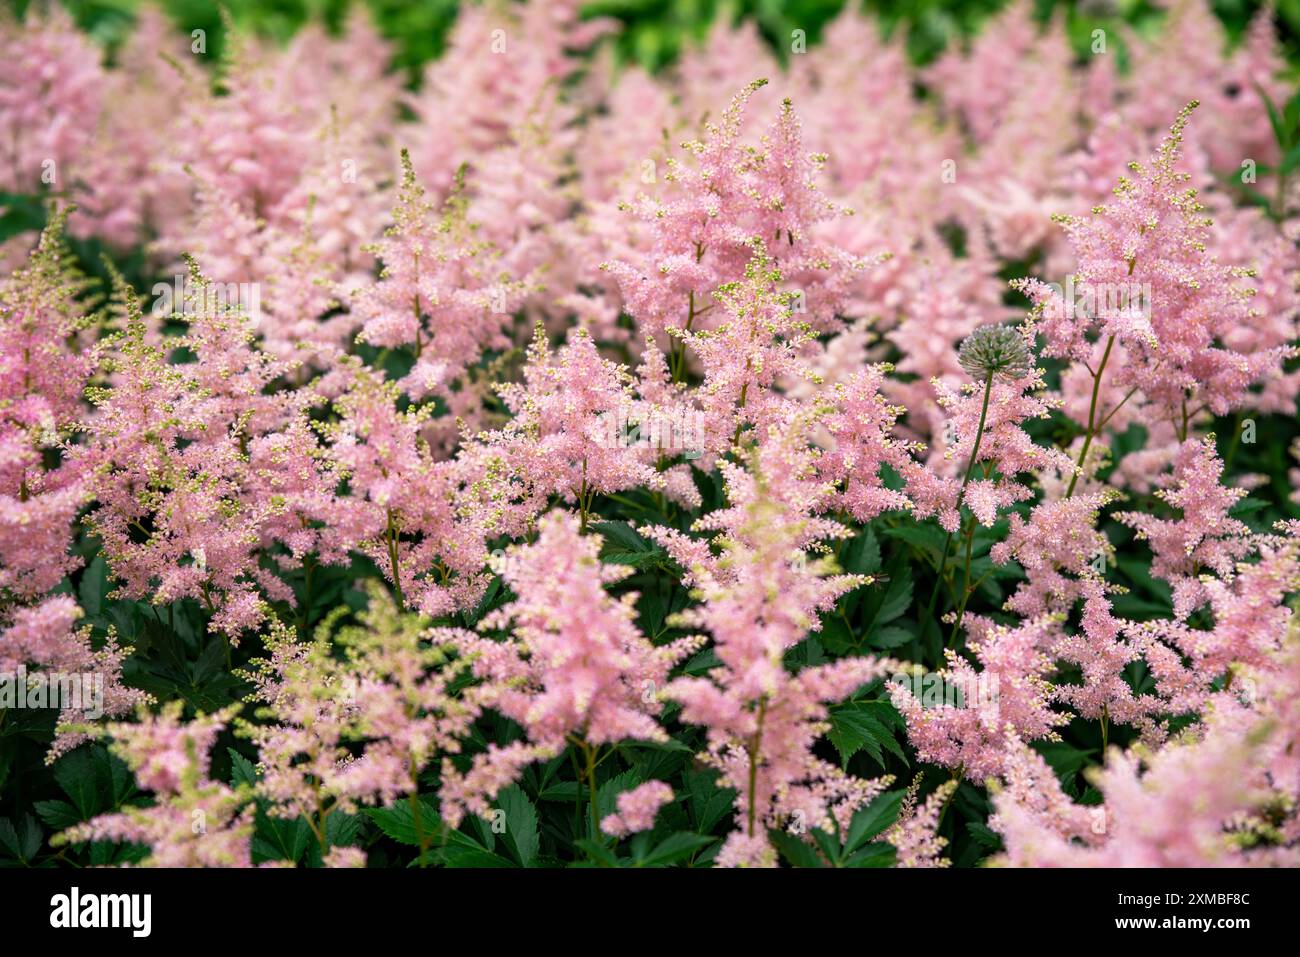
(521, 824)
(75, 774)
(94, 585)
(241, 769)
(857, 726)
(890, 636)
(898, 598)
(598, 852)
(878, 854)
(674, 848)
(799, 853)
(862, 556)
(57, 815)
(398, 821)
(873, 819)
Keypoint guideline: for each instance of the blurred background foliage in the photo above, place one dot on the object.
(657, 30)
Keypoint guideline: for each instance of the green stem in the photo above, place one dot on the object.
(394, 561)
(582, 499)
(961, 494)
(1232, 449)
(753, 750)
(591, 790)
(1092, 418)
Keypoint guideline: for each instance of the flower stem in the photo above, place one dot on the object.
(1093, 427)
(753, 749)
(961, 493)
(394, 561)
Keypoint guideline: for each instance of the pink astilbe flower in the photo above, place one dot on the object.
(43, 369)
(700, 232)
(585, 673)
(403, 510)
(1101, 650)
(355, 714)
(125, 188)
(194, 821)
(51, 88)
(1006, 450)
(1158, 293)
(439, 291)
(246, 136)
(167, 465)
(1204, 538)
(570, 414)
(46, 638)
(190, 468)
(862, 440)
(1057, 546)
(637, 809)
(1194, 803)
(1030, 805)
(966, 726)
(1250, 614)
(760, 598)
(915, 836)
(755, 346)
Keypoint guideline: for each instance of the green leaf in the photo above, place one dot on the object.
(282, 840)
(57, 815)
(342, 830)
(598, 852)
(398, 821)
(241, 769)
(1065, 759)
(891, 636)
(674, 848)
(75, 774)
(1274, 118)
(873, 819)
(607, 793)
(984, 835)
(94, 585)
(926, 539)
(860, 725)
(624, 536)
(862, 557)
(709, 803)
(22, 842)
(463, 851)
(898, 598)
(878, 854)
(799, 853)
(521, 824)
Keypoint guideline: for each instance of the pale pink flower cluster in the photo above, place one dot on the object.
(637, 809)
(781, 326)
(582, 673)
(194, 821)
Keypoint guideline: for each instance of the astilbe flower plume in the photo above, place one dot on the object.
(573, 667)
(439, 290)
(355, 714)
(194, 821)
(168, 460)
(759, 599)
(43, 370)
